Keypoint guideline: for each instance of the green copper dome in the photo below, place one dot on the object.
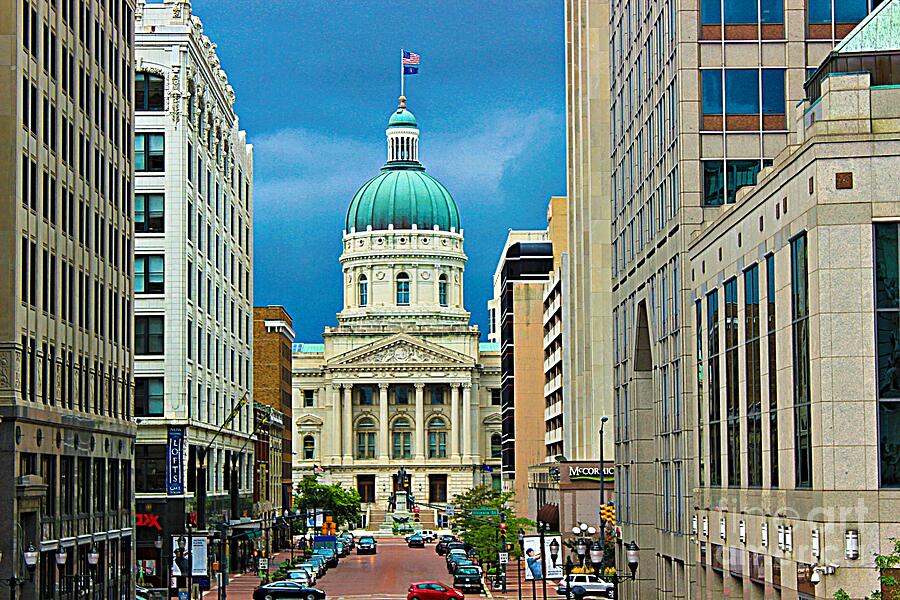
(402, 118)
(401, 196)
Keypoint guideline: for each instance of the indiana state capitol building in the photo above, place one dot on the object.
(402, 380)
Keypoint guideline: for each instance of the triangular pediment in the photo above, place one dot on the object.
(493, 419)
(309, 421)
(401, 349)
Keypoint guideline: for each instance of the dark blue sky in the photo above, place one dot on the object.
(316, 81)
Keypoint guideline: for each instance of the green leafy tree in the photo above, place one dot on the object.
(483, 533)
(341, 504)
(886, 565)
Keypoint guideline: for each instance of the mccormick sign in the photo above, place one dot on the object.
(585, 475)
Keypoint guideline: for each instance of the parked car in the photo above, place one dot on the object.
(457, 545)
(349, 538)
(311, 570)
(456, 564)
(591, 584)
(331, 558)
(432, 590)
(416, 541)
(441, 547)
(286, 589)
(468, 578)
(454, 555)
(299, 576)
(366, 545)
(319, 562)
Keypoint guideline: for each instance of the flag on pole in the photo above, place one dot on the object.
(410, 62)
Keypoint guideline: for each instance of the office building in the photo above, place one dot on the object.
(193, 264)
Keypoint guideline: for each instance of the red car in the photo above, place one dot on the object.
(433, 590)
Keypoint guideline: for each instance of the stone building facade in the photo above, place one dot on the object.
(794, 302)
(401, 381)
(193, 260)
(66, 429)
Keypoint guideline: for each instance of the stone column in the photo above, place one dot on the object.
(420, 421)
(336, 422)
(383, 421)
(347, 425)
(468, 433)
(454, 421)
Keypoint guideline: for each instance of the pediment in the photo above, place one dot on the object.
(310, 421)
(493, 419)
(401, 350)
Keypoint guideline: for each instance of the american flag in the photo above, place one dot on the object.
(410, 58)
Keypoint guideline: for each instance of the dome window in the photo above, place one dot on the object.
(403, 289)
(363, 290)
(442, 290)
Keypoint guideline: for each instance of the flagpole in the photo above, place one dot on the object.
(401, 71)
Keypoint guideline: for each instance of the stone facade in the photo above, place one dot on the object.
(784, 286)
(66, 177)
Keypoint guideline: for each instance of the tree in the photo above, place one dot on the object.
(484, 533)
(886, 565)
(341, 504)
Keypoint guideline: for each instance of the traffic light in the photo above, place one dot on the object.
(608, 513)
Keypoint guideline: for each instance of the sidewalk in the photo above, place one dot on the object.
(530, 590)
(241, 585)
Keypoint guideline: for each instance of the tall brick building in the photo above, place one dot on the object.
(272, 336)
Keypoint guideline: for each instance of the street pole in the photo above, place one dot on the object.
(542, 527)
(190, 550)
(519, 575)
(603, 420)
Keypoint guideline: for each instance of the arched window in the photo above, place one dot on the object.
(401, 439)
(148, 92)
(403, 289)
(437, 438)
(496, 445)
(363, 290)
(365, 438)
(442, 290)
(309, 447)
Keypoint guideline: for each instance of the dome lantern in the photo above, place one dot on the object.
(403, 135)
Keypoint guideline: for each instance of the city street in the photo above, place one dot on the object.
(386, 574)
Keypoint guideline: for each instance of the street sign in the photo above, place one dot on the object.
(504, 557)
(450, 510)
(485, 512)
(263, 564)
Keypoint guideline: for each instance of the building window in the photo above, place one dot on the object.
(752, 368)
(365, 438)
(738, 174)
(442, 290)
(363, 291)
(149, 468)
(149, 274)
(309, 447)
(401, 439)
(887, 344)
(149, 152)
(495, 397)
(698, 315)
(148, 335)
(800, 346)
(148, 92)
(773, 371)
(309, 398)
(715, 410)
(845, 11)
(752, 99)
(437, 438)
(496, 445)
(149, 213)
(364, 396)
(401, 394)
(148, 396)
(437, 394)
(403, 289)
(742, 12)
(732, 395)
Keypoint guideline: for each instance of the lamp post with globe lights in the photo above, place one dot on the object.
(30, 558)
(93, 559)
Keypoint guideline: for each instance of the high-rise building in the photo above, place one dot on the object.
(525, 265)
(555, 342)
(193, 265)
(273, 335)
(588, 307)
(66, 435)
(401, 382)
(700, 97)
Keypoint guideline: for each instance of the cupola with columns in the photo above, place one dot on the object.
(403, 258)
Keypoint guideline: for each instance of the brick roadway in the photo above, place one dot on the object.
(241, 586)
(385, 575)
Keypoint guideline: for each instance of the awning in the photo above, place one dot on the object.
(549, 513)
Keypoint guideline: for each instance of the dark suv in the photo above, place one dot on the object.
(468, 578)
(366, 545)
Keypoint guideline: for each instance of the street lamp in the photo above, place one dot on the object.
(31, 557)
(62, 556)
(554, 551)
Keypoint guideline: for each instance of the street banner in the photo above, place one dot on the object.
(535, 557)
(198, 561)
(175, 462)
